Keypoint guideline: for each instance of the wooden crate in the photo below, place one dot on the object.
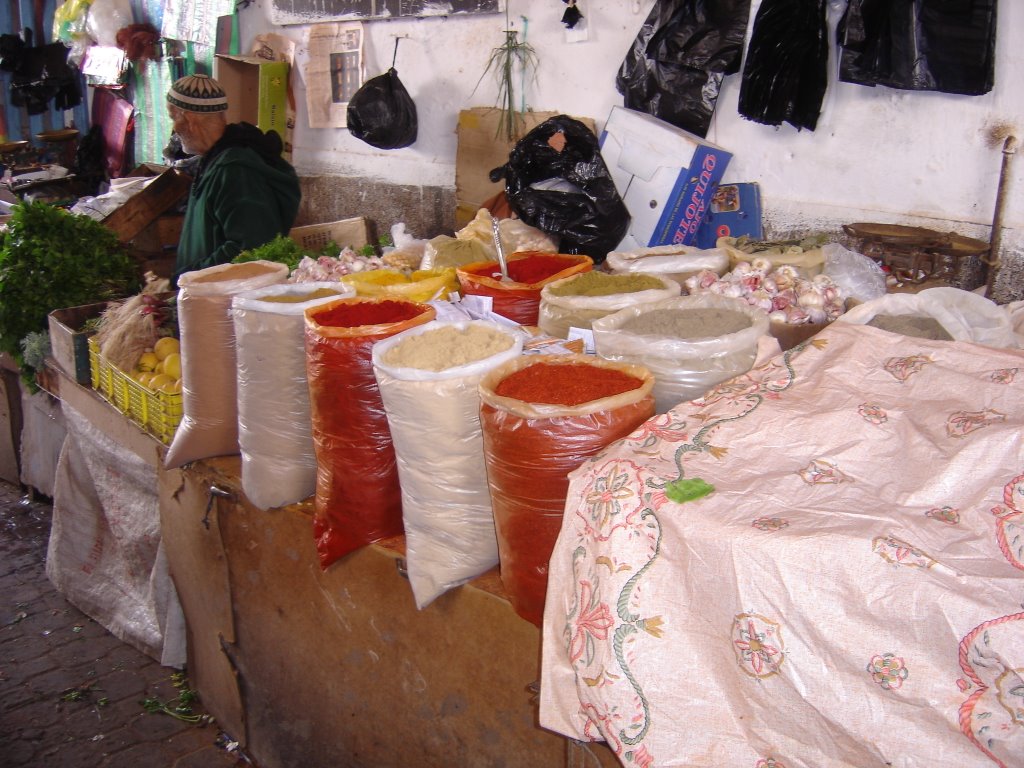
(168, 189)
(69, 344)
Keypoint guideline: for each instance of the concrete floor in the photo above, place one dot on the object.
(70, 692)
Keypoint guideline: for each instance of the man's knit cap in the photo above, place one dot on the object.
(198, 93)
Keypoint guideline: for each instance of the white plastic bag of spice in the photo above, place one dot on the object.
(274, 428)
(689, 343)
(676, 262)
(209, 426)
(428, 378)
(562, 309)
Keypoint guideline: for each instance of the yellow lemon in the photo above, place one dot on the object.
(148, 361)
(165, 346)
(172, 388)
(159, 380)
(143, 377)
(172, 365)
(159, 367)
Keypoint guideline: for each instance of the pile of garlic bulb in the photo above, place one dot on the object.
(327, 268)
(782, 292)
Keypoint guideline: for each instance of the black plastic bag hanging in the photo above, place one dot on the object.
(675, 67)
(786, 71)
(557, 181)
(921, 45)
(382, 112)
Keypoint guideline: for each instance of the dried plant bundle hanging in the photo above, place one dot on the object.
(514, 59)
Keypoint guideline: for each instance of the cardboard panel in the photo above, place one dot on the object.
(326, 658)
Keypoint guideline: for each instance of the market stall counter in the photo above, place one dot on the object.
(336, 666)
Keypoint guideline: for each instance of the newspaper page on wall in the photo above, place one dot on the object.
(334, 72)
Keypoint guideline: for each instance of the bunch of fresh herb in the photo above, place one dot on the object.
(286, 251)
(51, 259)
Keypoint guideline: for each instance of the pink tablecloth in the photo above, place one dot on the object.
(850, 594)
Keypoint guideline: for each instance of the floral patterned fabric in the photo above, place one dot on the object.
(818, 564)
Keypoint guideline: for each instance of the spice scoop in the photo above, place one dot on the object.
(497, 246)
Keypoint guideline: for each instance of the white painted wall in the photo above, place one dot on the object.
(877, 154)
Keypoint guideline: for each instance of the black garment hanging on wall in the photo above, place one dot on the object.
(923, 45)
(786, 71)
(675, 66)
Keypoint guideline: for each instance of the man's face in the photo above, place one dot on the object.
(182, 125)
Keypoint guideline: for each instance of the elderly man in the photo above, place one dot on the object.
(243, 194)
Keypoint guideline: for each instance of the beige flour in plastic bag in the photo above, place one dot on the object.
(209, 426)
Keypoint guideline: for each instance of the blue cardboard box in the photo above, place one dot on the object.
(664, 175)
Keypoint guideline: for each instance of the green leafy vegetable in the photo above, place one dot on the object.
(284, 250)
(51, 259)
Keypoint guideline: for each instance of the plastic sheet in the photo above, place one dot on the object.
(518, 301)
(274, 430)
(675, 67)
(358, 498)
(434, 418)
(209, 374)
(560, 313)
(786, 70)
(684, 369)
(557, 181)
(530, 449)
(924, 45)
(382, 113)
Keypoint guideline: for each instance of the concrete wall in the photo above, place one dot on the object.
(877, 154)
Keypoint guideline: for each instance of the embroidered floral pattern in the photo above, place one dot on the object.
(946, 515)
(888, 671)
(1010, 522)
(899, 552)
(757, 643)
(1004, 375)
(873, 414)
(769, 762)
(821, 472)
(608, 499)
(962, 423)
(992, 716)
(902, 368)
(592, 623)
(665, 427)
(770, 523)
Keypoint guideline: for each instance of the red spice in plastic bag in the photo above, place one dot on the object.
(562, 384)
(531, 269)
(352, 315)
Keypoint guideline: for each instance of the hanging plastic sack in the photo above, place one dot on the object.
(274, 431)
(963, 315)
(105, 18)
(577, 301)
(686, 364)
(786, 70)
(924, 45)
(680, 57)
(357, 499)
(382, 113)
(429, 378)
(542, 416)
(209, 377)
(517, 297)
(557, 181)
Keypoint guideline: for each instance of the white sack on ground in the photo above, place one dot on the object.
(683, 369)
(209, 426)
(848, 595)
(106, 554)
(274, 429)
(434, 417)
(964, 315)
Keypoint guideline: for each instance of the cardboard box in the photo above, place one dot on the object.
(163, 193)
(735, 211)
(351, 233)
(664, 175)
(69, 344)
(257, 92)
